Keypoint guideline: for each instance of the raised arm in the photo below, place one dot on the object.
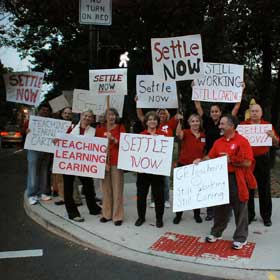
(198, 108)
(236, 107)
(179, 131)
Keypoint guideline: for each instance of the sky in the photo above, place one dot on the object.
(10, 58)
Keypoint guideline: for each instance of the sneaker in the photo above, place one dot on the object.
(238, 245)
(78, 219)
(45, 197)
(167, 204)
(212, 239)
(152, 205)
(32, 200)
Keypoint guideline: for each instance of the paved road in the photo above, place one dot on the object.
(61, 259)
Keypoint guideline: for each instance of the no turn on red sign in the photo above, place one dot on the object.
(97, 12)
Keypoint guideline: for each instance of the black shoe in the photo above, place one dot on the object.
(252, 219)
(209, 218)
(139, 222)
(79, 204)
(97, 199)
(267, 223)
(198, 219)
(118, 223)
(96, 211)
(60, 202)
(104, 220)
(159, 224)
(176, 220)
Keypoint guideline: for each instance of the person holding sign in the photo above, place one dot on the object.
(112, 184)
(145, 180)
(240, 157)
(82, 128)
(167, 125)
(212, 131)
(57, 179)
(38, 166)
(262, 170)
(193, 146)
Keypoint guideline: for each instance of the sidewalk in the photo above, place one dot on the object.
(260, 261)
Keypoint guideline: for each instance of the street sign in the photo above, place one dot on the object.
(97, 12)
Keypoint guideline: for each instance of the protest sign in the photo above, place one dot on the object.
(84, 100)
(24, 87)
(145, 153)
(155, 94)
(256, 133)
(80, 155)
(220, 83)
(108, 81)
(201, 185)
(69, 96)
(58, 103)
(177, 58)
(97, 12)
(42, 132)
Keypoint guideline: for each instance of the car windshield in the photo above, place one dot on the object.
(12, 127)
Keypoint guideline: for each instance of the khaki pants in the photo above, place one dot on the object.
(112, 189)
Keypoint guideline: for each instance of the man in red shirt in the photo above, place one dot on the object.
(262, 170)
(240, 156)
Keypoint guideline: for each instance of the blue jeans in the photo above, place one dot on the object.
(38, 169)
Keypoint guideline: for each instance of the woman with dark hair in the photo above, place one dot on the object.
(82, 128)
(57, 179)
(112, 184)
(193, 147)
(144, 180)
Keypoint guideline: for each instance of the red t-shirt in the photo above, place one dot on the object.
(236, 147)
(260, 150)
(113, 147)
(169, 126)
(192, 147)
(158, 132)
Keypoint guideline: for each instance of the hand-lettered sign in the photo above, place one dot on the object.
(108, 81)
(177, 58)
(85, 100)
(220, 83)
(256, 134)
(201, 185)
(42, 132)
(80, 155)
(24, 87)
(155, 94)
(145, 153)
(59, 103)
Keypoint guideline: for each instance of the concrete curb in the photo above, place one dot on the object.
(75, 233)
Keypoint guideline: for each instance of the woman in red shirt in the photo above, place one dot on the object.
(112, 184)
(193, 146)
(144, 180)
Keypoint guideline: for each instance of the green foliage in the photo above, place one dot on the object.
(237, 31)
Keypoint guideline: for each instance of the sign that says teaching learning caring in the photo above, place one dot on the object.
(201, 185)
(42, 132)
(80, 155)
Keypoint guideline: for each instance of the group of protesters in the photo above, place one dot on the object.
(207, 137)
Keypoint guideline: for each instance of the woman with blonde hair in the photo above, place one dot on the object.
(193, 147)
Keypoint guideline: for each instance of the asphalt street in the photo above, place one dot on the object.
(61, 259)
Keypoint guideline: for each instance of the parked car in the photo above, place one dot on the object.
(11, 135)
